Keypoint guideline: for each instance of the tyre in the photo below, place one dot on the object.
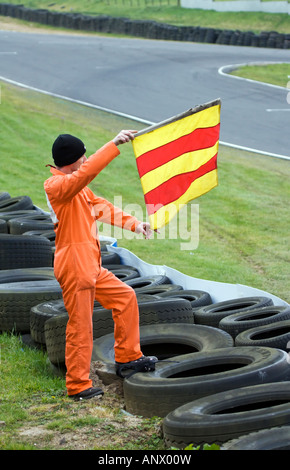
(165, 341)
(267, 439)
(192, 376)
(197, 298)
(238, 322)
(9, 215)
(17, 299)
(228, 415)
(124, 273)
(213, 314)
(165, 311)
(110, 258)
(16, 204)
(276, 335)
(159, 289)
(17, 252)
(4, 195)
(169, 311)
(34, 222)
(49, 234)
(145, 281)
(26, 274)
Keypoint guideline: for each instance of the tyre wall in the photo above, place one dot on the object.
(146, 28)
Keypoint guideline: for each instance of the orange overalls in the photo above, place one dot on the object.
(77, 267)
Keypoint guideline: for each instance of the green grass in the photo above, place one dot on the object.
(244, 238)
(168, 12)
(276, 74)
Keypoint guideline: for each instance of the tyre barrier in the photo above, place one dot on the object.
(229, 415)
(192, 376)
(146, 28)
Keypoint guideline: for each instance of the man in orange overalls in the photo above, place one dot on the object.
(77, 261)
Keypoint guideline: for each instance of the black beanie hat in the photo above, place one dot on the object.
(67, 149)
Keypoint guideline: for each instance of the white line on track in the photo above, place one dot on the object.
(277, 110)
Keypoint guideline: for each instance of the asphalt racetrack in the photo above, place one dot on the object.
(154, 80)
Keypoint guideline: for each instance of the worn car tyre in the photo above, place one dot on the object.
(110, 258)
(16, 204)
(123, 272)
(213, 314)
(34, 222)
(238, 322)
(159, 289)
(166, 340)
(192, 376)
(4, 195)
(49, 234)
(17, 252)
(267, 439)
(26, 274)
(148, 281)
(197, 298)
(9, 215)
(17, 299)
(227, 415)
(275, 335)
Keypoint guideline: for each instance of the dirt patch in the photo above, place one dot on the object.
(100, 423)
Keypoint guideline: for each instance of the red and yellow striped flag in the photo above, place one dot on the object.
(177, 160)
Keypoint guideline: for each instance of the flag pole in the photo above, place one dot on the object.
(189, 112)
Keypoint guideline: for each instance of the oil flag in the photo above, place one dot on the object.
(177, 160)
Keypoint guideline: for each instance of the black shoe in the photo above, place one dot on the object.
(143, 364)
(87, 394)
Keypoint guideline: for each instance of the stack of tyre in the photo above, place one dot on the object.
(223, 374)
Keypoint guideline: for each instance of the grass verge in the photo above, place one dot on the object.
(170, 13)
(276, 74)
(243, 238)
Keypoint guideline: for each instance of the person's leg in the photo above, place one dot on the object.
(79, 339)
(121, 299)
